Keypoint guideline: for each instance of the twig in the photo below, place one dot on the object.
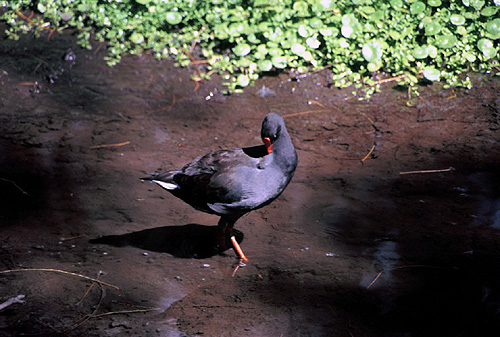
(452, 96)
(375, 129)
(14, 183)
(450, 169)
(28, 83)
(110, 145)
(62, 272)
(71, 238)
(311, 101)
(17, 299)
(90, 288)
(389, 79)
(51, 33)
(44, 26)
(92, 314)
(18, 12)
(196, 63)
(150, 81)
(395, 78)
(419, 266)
(313, 72)
(125, 312)
(170, 106)
(374, 280)
(369, 154)
(304, 112)
(195, 41)
(197, 85)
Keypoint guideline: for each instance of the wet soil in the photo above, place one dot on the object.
(352, 248)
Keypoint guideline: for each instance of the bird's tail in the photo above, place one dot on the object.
(162, 180)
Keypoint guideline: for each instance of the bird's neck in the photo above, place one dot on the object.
(283, 149)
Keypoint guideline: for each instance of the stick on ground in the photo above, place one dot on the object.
(61, 272)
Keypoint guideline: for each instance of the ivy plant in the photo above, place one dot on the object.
(409, 40)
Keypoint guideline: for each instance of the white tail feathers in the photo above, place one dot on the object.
(165, 185)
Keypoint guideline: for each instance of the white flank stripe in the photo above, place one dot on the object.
(167, 186)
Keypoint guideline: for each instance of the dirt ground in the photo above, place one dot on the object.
(352, 248)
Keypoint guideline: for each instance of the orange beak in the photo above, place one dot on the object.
(267, 143)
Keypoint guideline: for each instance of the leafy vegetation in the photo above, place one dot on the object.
(405, 39)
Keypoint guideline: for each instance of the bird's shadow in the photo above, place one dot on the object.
(185, 241)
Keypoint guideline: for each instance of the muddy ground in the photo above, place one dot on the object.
(352, 248)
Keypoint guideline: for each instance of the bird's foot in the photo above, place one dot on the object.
(240, 264)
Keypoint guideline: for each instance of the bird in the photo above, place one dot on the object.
(231, 183)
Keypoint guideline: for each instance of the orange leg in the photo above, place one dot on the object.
(238, 249)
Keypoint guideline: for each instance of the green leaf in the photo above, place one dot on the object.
(487, 48)
(325, 5)
(242, 49)
(253, 38)
(446, 41)
(434, 3)
(331, 32)
(279, 62)
(477, 4)
(493, 28)
(137, 38)
(242, 80)
(471, 15)
(461, 30)
(346, 31)
(303, 31)
(313, 43)
(396, 4)
(420, 52)
(275, 51)
(432, 28)
(315, 23)
(395, 35)
(173, 18)
(432, 51)
(236, 28)
(417, 7)
(367, 9)
(374, 66)
(301, 8)
(377, 15)
(41, 7)
(298, 49)
(372, 51)
(265, 65)
(470, 57)
(457, 19)
(431, 73)
(489, 11)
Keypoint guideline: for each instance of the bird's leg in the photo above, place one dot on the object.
(222, 233)
(226, 231)
(238, 249)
